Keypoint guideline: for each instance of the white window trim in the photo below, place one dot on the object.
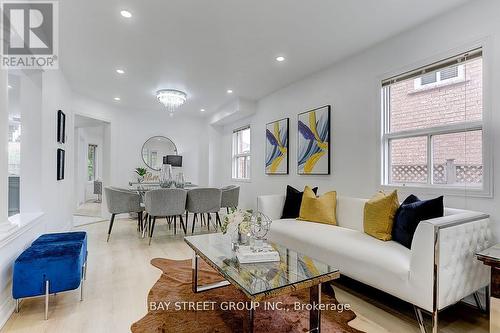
(234, 155)
(487, 188)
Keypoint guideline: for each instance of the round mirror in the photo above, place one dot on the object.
(155, 148)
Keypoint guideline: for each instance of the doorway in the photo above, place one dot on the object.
(90, 166)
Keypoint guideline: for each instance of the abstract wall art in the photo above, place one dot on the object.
(61, 161)
(313, 149)
(277, 147)
(61, 127)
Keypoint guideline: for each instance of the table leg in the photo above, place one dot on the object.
(251, 317)
(194, 271)
(315, 312)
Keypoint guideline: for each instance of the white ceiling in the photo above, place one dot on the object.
(205, 47)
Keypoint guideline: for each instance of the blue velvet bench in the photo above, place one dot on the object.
(53, 263)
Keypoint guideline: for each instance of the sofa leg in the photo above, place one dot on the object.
(46, 299)
(420, 319)
(487, 299)
(17, 305)
(435, 322)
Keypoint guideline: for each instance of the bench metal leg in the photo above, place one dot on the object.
(46, 299)
(17, 305)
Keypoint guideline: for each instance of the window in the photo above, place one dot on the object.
(434, 137)
(241, 153)
(92, 163)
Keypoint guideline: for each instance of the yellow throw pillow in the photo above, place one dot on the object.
(318, 209)
(379, 215)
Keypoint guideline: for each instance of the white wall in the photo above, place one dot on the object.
(352, 88)
(129, 130)
(46, 194)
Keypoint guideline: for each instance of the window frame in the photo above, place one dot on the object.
(235, 155)
(486, 190)
(95, 176)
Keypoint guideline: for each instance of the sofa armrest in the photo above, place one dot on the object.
(271, 205)
(449, 243)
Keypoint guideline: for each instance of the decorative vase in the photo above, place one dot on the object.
(179, 181)
(238, 239)
(166, 178)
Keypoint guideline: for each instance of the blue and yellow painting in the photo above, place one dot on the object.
(277, 147)
(313, 151)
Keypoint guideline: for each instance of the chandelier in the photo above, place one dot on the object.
(171, 98)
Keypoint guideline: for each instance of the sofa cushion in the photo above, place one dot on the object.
(350, 212)
(384, 265)
(293, 201)
(379, 214)
(318, 209)
(410, 214)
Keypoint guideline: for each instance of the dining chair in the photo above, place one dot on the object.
(121, 201)
(230, 197)
(204, 201)
(169, 203)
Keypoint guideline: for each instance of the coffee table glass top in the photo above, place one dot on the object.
(294, 271)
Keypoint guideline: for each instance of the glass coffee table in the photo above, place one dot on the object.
(261, 281)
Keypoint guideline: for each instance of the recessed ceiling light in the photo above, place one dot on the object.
(9, 86)
(117, 98)
(120, 71)
(280, 59)
(126, 14)
(229, 91)
(202, 110)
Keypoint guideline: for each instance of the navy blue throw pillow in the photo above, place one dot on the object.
(293, 201)
(409, 215)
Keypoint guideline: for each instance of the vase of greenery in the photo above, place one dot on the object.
(141, 172)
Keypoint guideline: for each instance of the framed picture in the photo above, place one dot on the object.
(277, 147)
(313, 148)
(61, 127)
(60, 163)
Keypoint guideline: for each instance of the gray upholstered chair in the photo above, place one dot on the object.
(121, 201)
(169, 203)
(230, 197)
(204, 201)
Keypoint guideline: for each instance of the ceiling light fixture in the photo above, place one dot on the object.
(170, 98)
(120, 71)
(202, 110)
(9, 86)
(117, 98)
(126, 14)
(280, 59)
(229, 91)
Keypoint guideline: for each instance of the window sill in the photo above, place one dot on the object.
(442, 190)
(241, 180)
(17, 225)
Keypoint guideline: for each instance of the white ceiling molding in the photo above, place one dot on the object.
(233, 111)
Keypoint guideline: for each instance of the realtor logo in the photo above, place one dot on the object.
(30, 31)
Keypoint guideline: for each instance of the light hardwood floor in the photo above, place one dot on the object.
(120, 276)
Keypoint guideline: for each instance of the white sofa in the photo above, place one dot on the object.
(450, 242)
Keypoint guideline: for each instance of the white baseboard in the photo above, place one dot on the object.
(7, 308)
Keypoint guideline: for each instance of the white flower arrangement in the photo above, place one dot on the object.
(237, 218)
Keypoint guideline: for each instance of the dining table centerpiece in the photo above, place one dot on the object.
(140, 172)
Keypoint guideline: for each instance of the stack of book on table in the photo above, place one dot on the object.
(248, 254)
